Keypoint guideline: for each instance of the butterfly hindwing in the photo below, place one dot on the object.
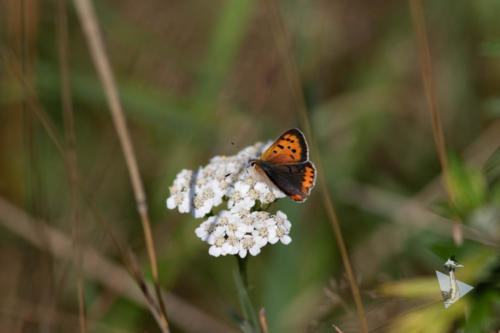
(295, 180)
(290, 147)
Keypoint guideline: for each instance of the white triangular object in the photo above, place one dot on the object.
(444, 281)
(463, 288)
(444, 285)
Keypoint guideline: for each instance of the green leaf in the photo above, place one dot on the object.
(468, 186)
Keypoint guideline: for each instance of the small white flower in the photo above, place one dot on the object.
(264, 231)
(231, 224)
(248, 221)
(232, 245)
(242, 187)
(206, 228)
(281, 229)
(180, 196)
(282, 235)
(282, 220)
(267, 193)
(248, 244)
(240, 197)
(236, 228)
(241, 212)
(201, 206)
(217, 240)
(244, 204)
(175, 200)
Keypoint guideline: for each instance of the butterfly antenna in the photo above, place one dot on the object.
(235, 145)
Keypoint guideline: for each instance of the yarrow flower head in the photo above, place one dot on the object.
(239, 226)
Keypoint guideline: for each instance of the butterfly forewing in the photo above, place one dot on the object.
(290, 147)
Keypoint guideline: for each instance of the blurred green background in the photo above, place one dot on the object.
(205, 78)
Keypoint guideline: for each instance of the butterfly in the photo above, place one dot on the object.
(286, 164)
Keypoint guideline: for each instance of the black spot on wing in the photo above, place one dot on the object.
(291, 136)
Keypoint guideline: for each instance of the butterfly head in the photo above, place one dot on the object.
(256, 163)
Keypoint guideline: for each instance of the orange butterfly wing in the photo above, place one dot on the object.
(290, 147)
(295, 180)
(308, 179)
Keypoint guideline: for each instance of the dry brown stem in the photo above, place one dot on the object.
(67, 109)
(282, 38)
(263, 321)
(336, 328)
(424, 55)
(90, 27)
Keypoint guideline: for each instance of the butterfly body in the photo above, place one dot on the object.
(286, 164)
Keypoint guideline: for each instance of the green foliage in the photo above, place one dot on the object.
(468, 186)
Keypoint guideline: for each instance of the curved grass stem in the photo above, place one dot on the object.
(293, 77)
(69, 126)
(90, 27)
(424, 56)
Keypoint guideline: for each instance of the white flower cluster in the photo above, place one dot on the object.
(240, 233)
(237, 230)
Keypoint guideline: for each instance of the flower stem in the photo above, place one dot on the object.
(250, 324)
(242, 269)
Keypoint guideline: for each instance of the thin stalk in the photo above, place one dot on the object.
(424, 56)
(251, 323)
(263, 321)
(69, 126)
(242, 269)
(336, 328)
(281, 37)
(33, 171)
(90, 26)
